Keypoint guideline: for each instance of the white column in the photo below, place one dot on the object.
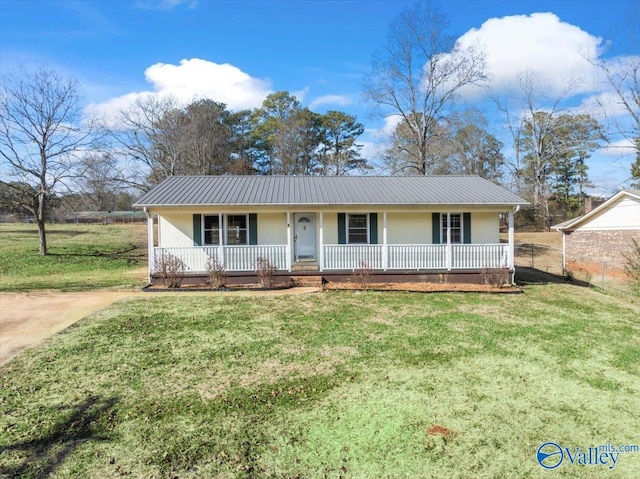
(288, 241)
(321, 256)
(150, 252)
(220, 240)
(564, 252)
(385, 246)
(511, 256)
(449, 250)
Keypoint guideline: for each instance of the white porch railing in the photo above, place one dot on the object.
(234, 258)
(344, 257)
(349, 256)
(473, 256)
(417, 256)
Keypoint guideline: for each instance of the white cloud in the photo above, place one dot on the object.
(618, 149)
(193, 79)
(165, 4)
(554, 51)
(341, 100)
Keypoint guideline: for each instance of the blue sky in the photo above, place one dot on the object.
(238, 51)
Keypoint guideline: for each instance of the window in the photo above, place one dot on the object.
(456, 228)
(237, 229)
(357, 229)
(212, 229)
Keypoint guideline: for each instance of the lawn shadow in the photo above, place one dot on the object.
(42, 456)
(527, 276)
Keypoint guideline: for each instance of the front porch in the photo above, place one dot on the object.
(338, 257)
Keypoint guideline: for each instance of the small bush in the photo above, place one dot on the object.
(362, 275)
(266, 272)
(171, 270)
(216, 274)
(632, 265)
(496, 277)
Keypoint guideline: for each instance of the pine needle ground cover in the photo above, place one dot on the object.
(335, 384)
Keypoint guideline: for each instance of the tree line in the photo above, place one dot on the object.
(50, 150)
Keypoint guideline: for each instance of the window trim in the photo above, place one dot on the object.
(203, 233)
(226, 224)
(224, 230)
(443, 231)
(347, 227)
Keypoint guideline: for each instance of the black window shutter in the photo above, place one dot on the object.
(197, 230)
(373, 228)
(253, 229)
(466, 228)
(435, 228)
(342, 228)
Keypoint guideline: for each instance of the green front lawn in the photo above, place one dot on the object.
(337, 384)
(81, 257)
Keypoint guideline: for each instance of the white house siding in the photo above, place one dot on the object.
(485, 228)
(175, 229)
(272, 228)
(330, 226)
(622, 215)
(403, 227)
(407, 228)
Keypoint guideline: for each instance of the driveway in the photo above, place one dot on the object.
(28, 318)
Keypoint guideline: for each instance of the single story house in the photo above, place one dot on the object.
(401, 227)
(603, 235)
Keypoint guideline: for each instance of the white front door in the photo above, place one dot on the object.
(305, 237)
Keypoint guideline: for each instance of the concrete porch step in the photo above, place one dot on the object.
(305, 267)
(314, 281)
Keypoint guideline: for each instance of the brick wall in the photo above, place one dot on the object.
(595, 247)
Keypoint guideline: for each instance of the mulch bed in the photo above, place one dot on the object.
(426, 287)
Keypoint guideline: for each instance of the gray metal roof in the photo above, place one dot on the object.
(327, 190)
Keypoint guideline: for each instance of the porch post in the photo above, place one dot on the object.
(220, 242)
(321, 255)
(449, 249)
(288, 241)
(150, 253)
(511, 258)
(385, 246)
(564, 252)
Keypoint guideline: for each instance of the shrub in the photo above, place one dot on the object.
(496, 277)
(171, 270)
(632, 265)
(362, 275)
(216, 274)
(266, 272)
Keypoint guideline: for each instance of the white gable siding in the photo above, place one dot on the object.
(623, 215)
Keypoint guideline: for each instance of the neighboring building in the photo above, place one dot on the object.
(603, 235)
(402, 227)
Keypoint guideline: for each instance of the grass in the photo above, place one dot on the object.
(81, 258)
(338, 384)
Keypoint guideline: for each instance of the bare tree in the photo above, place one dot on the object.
(41, 135)
(148, 137)
(417, 78)
(623, 74)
